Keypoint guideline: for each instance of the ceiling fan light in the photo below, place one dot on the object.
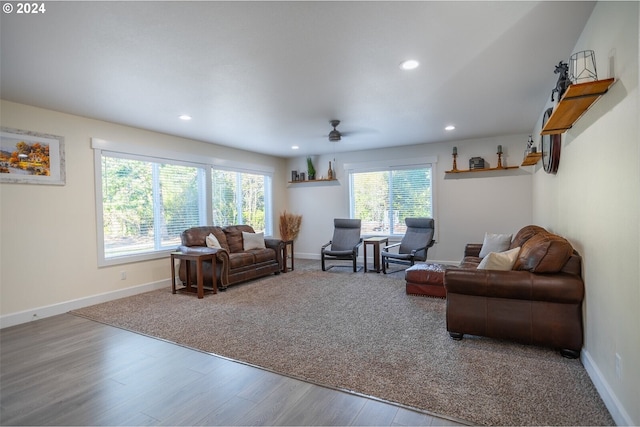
(334, 135)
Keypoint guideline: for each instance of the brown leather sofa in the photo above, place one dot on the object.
(538, 302)
(233, 263)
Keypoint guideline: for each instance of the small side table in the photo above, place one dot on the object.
(198, 258)
(287, 243)
(376, 242)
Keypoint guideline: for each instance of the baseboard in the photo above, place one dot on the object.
(13, 319)
(617, 411)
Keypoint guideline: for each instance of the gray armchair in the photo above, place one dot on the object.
(345, 243)
(414, 245)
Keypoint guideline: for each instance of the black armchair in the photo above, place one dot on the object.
(345, 243)
(414, 245)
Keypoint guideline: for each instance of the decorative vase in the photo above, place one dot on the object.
(330, 172)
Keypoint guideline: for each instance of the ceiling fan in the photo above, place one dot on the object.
(335, 134)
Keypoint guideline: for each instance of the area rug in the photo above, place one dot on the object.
(360, 332)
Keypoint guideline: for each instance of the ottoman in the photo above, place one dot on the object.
(426, 279)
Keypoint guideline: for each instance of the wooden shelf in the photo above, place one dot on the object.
(310, 181)
(482, 170)
(575, 101)
(531, 159)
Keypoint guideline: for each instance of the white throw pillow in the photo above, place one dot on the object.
(252, 241)
(212, 241)
(495, 243)
(503, 261)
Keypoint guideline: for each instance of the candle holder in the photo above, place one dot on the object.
(455, 163)
(499, 160)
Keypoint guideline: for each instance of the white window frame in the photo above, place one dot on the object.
(393, 164)
(268, 190)
(136, 152)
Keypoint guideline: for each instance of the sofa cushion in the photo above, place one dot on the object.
(263, 255)
(525, 234)
(241, 259)
(212, 241)
(544, 253)
(470, 262)
(495, 243)
(219, 233)
(252, 241)
(196, 236)
(234, 236)
(502, 261)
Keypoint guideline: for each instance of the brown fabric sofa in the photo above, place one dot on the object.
(233, 263)
(538, 302)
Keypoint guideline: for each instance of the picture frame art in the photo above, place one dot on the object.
(31, 158)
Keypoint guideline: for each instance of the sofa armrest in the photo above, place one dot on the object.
(523, 285)
(277, 245)
(472, 249)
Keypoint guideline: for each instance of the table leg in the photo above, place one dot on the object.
(284, 258)
(173, 275)
(200, 278)
(365, 257)
(292, 266)
(376, 256)
(214, 274)
(188, 265)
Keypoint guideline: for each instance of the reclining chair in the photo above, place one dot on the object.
(345, 243)
(414, 245)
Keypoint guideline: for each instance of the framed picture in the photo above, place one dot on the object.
(31, 158)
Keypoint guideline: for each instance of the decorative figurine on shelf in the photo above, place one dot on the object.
(330, 171)
(530, 147)
(499, 157)
(455, 155)
(311, 171)
(563, 80)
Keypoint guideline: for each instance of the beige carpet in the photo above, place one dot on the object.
(361, 332)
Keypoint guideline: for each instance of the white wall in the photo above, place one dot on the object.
(594, 201)
(48, 245)
(466, 205)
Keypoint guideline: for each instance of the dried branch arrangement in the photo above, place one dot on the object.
(289, 225)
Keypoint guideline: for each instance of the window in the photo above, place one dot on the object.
(147, 204)
(241, 198)
(383, 196)
(146, 198)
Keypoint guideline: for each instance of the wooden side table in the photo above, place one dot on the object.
(376, 242)
(287, 243)
(198, 258)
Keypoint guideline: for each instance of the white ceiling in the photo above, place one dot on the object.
(263, 76)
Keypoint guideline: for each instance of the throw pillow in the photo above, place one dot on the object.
(502, 261)
(252, 240)
(495, 243)
(212, 242)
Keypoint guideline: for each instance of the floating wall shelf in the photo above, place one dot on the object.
(312, 181)
(531, 159)
(575, 101)
(482, 170)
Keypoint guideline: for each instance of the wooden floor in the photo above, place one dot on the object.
(66, 370)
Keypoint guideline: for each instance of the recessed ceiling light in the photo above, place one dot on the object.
(410, 64)
(450, 127)
(294, 147)
(185, 117)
